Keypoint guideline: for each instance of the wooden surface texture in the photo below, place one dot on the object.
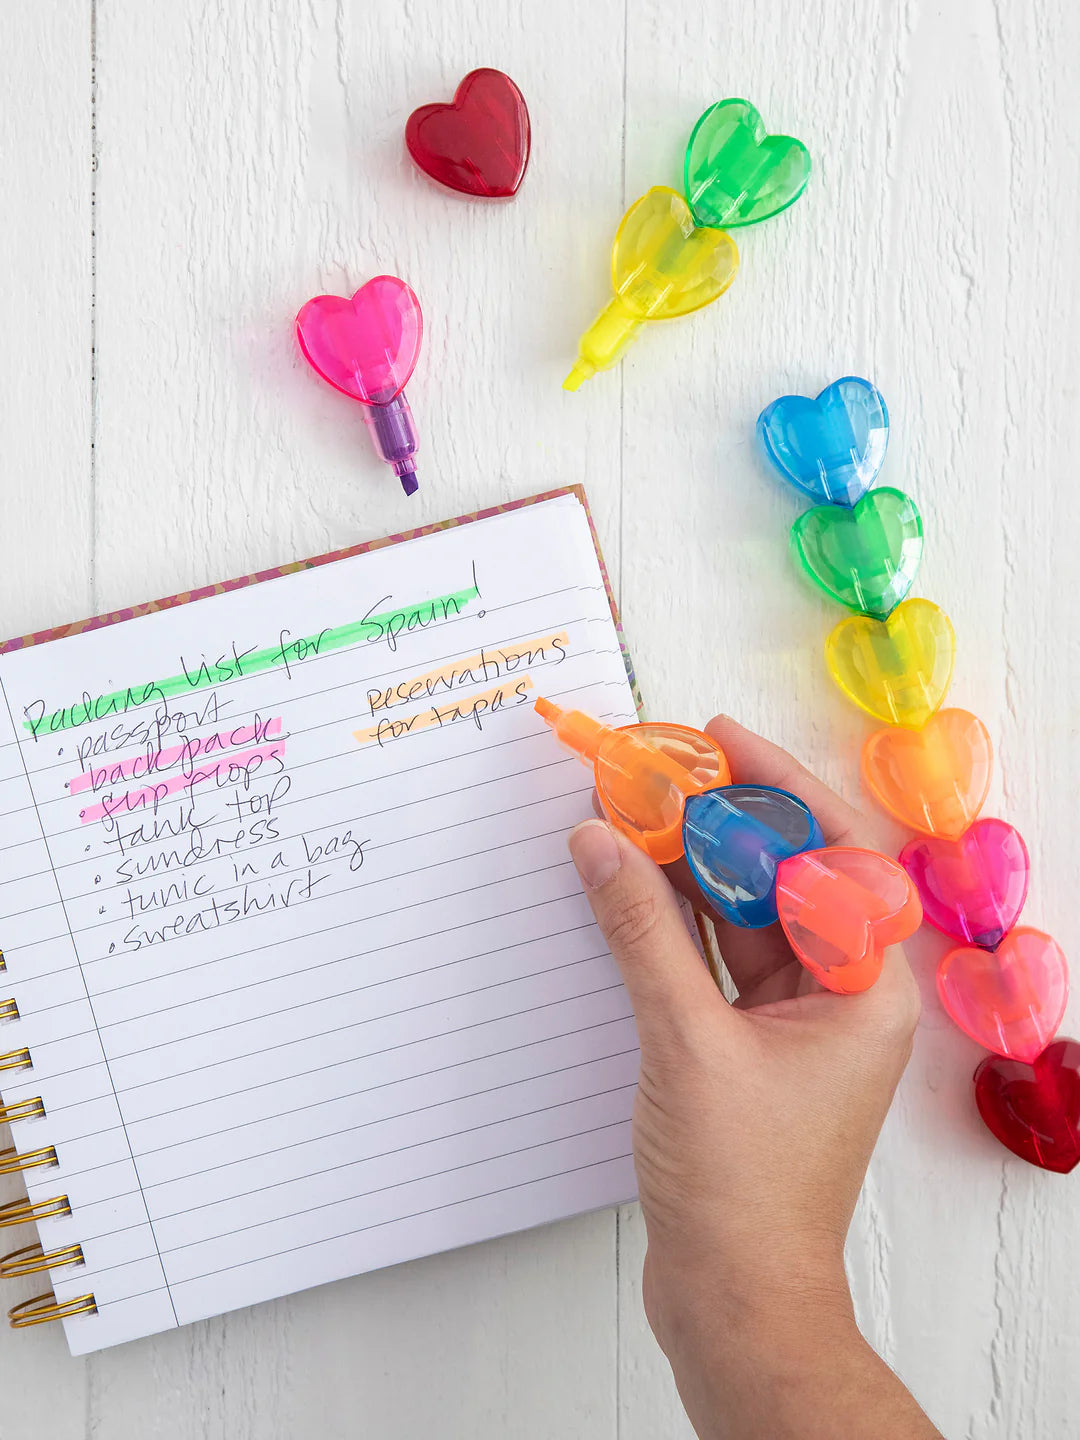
(180, 177)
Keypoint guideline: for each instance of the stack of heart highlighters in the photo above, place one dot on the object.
(1004, 984)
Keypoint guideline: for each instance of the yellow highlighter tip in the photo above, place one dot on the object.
(581, 372)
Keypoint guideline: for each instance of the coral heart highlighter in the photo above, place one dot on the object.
(367, 347)
(1007, 985)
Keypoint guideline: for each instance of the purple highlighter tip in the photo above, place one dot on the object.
(409, 482)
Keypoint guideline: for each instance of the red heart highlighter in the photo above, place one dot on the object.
(1010, 1000)
(839, 908)
(1034, 1110)
(478, 144)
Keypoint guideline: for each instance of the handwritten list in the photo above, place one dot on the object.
(301, 964)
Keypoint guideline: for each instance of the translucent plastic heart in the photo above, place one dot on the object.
(366, 346)
(831, 447)
(897, 669)
(840, 908)
(1010, 1000)
(643, 773)
(972, 888)
(866, 557)
(736, 173)
(478, 144)
(1034, 1110)
(662, 266)
(735, 837)
(934, 779)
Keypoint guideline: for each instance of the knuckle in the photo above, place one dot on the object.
(630, 928)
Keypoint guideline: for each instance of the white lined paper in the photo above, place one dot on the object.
(346, 1006)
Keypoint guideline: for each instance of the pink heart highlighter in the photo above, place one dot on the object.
(367, 347)
(972, 888)
(1010, 1000)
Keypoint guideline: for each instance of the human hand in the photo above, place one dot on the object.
(753, 1127)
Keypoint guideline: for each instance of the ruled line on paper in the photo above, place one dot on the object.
(314, 934)
(304, 1039)
(159, 1219)
(366, 1194)
(400, 1219)
(276, 1115)
(279, 1010)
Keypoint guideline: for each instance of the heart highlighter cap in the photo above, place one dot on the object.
(1009, 1000)
(972, 888)
(839, 908)
(643, 773)
(1034, 1110)
(735, 838)
(736, 173)
(477, 145)
(831, 447)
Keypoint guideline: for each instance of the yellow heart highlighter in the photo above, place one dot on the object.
(662, 265)
(898, 668)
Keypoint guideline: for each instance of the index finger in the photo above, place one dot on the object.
(755, 761)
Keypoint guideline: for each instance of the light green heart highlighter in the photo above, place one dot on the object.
(736, 173)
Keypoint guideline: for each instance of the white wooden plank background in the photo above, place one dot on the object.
(179, 178)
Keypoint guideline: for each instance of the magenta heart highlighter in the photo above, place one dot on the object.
(367, 347)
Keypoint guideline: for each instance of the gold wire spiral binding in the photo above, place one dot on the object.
(43, 1308)
(11, 1160)
(32, 1258)
(16, 1060)
(9, 1010)
(21, 1212)
(3, 962)
(33, 1109)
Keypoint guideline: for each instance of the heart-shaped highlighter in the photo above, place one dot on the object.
(839, 908)
(865, 557)
(934, 779)
(478, 144)
(1009, 1000)
(897, 669)
(366, 346)
(735, 173)
(832, 447)
(735, 837)
(1034, 1110)
(662, 264)
(973, 888)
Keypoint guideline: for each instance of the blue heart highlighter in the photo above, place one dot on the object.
(735, 838)
(830, 448)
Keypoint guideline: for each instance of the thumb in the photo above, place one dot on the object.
(638, 915)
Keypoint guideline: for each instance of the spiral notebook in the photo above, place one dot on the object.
(299, 981)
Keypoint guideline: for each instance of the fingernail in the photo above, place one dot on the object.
(595, 852)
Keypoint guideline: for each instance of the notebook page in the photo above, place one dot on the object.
(305, 973)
